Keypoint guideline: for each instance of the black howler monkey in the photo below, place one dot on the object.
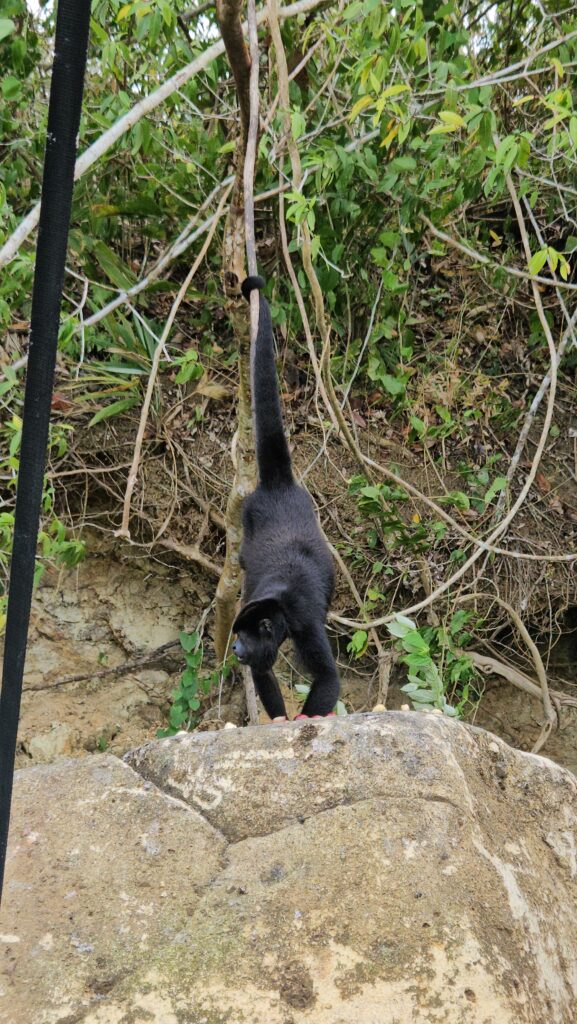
(289, 575)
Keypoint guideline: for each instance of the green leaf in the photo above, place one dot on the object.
(552, 258)
(353, 10)
(413, 643)
(403, 163)
(188, 641)
(503, 148)
(538, 261)
(564, 267)
(499, 484)
(419, 695)
(449, 711)
(7, 27)
(358, 643)
(11, 87)
(124, 11)
(114, 268)
(298, 124)
(390, 238)
(139, 206)
(392, 384)
(394, 90)
(114, 409)
(457, 498)
(177, 716)
(189, 371)
(418, 425)
(443, 129)
(365, 101)
(556, 63)
(485, 134)
(449, 117)
(460, 618)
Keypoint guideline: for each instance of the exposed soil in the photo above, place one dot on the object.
(114, 608)
(118, 606)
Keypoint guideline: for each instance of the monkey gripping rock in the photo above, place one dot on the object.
(381, 869)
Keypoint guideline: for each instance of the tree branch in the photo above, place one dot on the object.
(479, 257)
(124, 531)
(548, 709)
(228, 587)
(140, 110)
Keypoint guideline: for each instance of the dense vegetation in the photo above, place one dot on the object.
(438, 144)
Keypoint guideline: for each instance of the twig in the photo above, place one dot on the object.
(133, 472)
(492, 666)
(195, 12)
(480, 257)
(192, 553)
(102, 673)
(384, 658)
(234, 251)
(501, 527)
(548, 709)
(568, 335)
(506, 74)
(319, 383)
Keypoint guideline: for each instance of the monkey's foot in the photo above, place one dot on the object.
(279, 720)
(330, 714)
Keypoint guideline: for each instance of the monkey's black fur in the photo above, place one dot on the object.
(289, 575)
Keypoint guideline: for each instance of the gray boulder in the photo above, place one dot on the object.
(379, 869)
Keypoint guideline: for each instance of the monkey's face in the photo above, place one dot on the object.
(257, 644)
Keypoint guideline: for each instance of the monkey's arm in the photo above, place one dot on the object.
(315, 652)
(269, 693)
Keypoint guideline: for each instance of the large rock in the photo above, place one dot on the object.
(382, 869)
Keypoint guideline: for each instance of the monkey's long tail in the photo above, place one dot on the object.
(272, 451)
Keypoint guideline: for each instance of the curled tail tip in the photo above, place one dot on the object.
(250, 283)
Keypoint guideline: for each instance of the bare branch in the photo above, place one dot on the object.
(191, 553)
(480, 257)
(124, 531)
(501, 527)
(548, 709)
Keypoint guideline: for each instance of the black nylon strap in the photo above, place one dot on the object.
(68, 68)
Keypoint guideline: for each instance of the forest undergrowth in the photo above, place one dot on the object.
(416, 221)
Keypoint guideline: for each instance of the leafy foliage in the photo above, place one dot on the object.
(195, 683)
(440, 674)
(409, 119)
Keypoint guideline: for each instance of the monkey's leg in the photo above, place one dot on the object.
(316, 655)
(269, 693)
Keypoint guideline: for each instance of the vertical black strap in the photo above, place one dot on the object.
(71, 44)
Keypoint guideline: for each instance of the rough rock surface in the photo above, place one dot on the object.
(382, 869)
